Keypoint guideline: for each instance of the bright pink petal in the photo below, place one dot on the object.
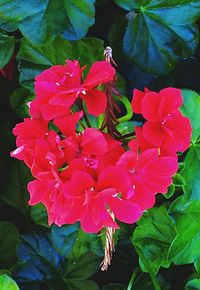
(180, 130)
(150, 105)
(95, 102)
(125, 211)
(93, 142)
(99, 73)
(137, 101)
(172, 101)
(153, 133)
(78, 184)
(38, 189)
(61, 99)
(67, 124)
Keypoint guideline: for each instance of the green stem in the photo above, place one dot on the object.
(129, 112)
(132, 278)
(149, 269)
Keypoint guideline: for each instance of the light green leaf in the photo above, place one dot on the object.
(191, 173)
(191, 109)
(185, 247)
(39, 20)
(193, 284)
(154, 235)
(7, 283)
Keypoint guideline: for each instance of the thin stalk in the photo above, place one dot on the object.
(149, 269)
(132, 278)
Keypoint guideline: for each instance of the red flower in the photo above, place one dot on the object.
(165, 123)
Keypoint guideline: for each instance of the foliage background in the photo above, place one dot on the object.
(156, 44)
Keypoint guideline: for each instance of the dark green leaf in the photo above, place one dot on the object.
(170, 191)
(178, 180)
(7, 44)
(153, 236)
(191, 109)
(7, 283)
(85, 243)
(39, 214)
(185, 247)
(9, 238)
(160, 33)
(193, 284)
(63, 238)
(18, 101)
(38, 21)
(83, 268)
(83, 285)
(34, 58)
(128, 4)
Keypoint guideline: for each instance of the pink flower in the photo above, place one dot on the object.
(149, 174)
(165, 123)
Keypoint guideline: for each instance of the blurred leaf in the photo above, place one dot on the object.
(18, 101)
(39, 215)
(7, 283)
(7, 45)
(38, 21)
(9, 238)
(193, 284)
(191, 109)
(127, 127)
(185, 247)
(34, 58)
(63, 238)
(154, 235)
(14, 182)
(191, 173)
(144, 282)
(156, 29)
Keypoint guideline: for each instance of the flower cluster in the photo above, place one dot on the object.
(83, 173)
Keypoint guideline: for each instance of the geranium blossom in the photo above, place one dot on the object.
(83, 174)
(165, 125)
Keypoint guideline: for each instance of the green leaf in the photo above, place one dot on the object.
(7, 283)
(191, 109)
(127, 127)
(38, 21)
(83, 268)
(153, 236)
(63, 238)
(85, 243)
(39, 214)
(157, 30)
(127, 4)
(34, 59)
(14, 185)
(170, 191)
(178, 180)
(7, 45)
(191, 173)
(9, 238)
(193, 284)
(18, 101)
(185, 247)
(14, 175)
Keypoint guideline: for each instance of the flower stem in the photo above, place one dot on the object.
(149, 269)
(132, 278)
